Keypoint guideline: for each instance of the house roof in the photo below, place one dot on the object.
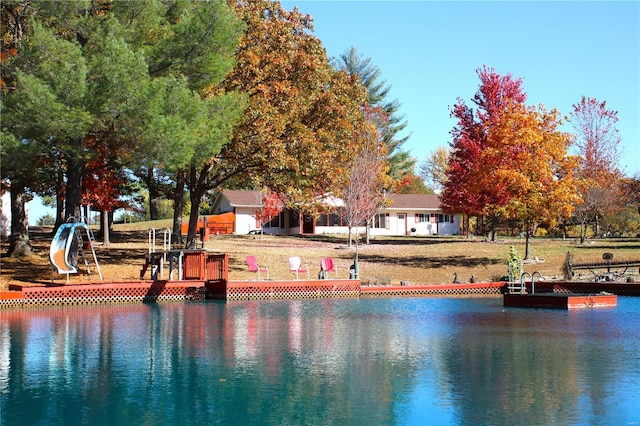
(413, 202)
(243, 198)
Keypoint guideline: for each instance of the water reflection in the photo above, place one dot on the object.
(341, 361)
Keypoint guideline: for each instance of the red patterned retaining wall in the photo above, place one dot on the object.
(11, 299)
(493, 288)
(307, 289)
(164, 291)
(127, 292)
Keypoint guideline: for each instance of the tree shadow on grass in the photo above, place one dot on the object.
(28, 272)
(118, 256)
(392, 240)
(432, 262)
(629, 246)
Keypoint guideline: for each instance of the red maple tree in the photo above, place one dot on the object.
(270, 207)
(103, 183)
(473, 187)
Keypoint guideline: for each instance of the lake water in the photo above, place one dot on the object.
(395, 361)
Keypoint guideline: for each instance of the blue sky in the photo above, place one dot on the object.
(428, 52)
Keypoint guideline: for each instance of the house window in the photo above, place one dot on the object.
(334, 219)
(380, 221)
(275, 222)
(422, 218)
(443, 218)
(294, 219)
(322, 220)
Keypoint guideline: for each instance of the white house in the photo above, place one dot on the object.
(415, 214)
(405, 214)
(5, 213)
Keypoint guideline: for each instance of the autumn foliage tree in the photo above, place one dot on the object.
(103, 184)
(600, 179)
(365, 191)
(631, 187)
(434, 168)
(473, 186)
(270, 207)
(411, 184)
(295, 136)
(540, 179)
(509, 160)
(627, 221)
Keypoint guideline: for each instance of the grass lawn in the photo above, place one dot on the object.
(418, 260)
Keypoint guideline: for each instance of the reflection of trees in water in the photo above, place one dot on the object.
(311, 366)
(502, 368)
(311, 362)
(232, 363)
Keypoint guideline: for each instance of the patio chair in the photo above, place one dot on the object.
(326, 266)
(252, 264)
(295, 265)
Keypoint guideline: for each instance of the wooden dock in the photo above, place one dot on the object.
(560, 300)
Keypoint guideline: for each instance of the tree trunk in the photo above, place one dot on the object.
(178, 205)
(480, 226)
(59, 200)
(75, 171)
(494, 223)
(356, 263)
(583, 231)
(527, 244)
(19, 245)
(59, 211)
(153, 195)
(84, 214)
(197, 189)
(196, 199)
(368, 232)
(104, 221)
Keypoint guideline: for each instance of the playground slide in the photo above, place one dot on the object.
(61, 248)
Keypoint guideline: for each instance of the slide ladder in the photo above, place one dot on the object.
(157, 259)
